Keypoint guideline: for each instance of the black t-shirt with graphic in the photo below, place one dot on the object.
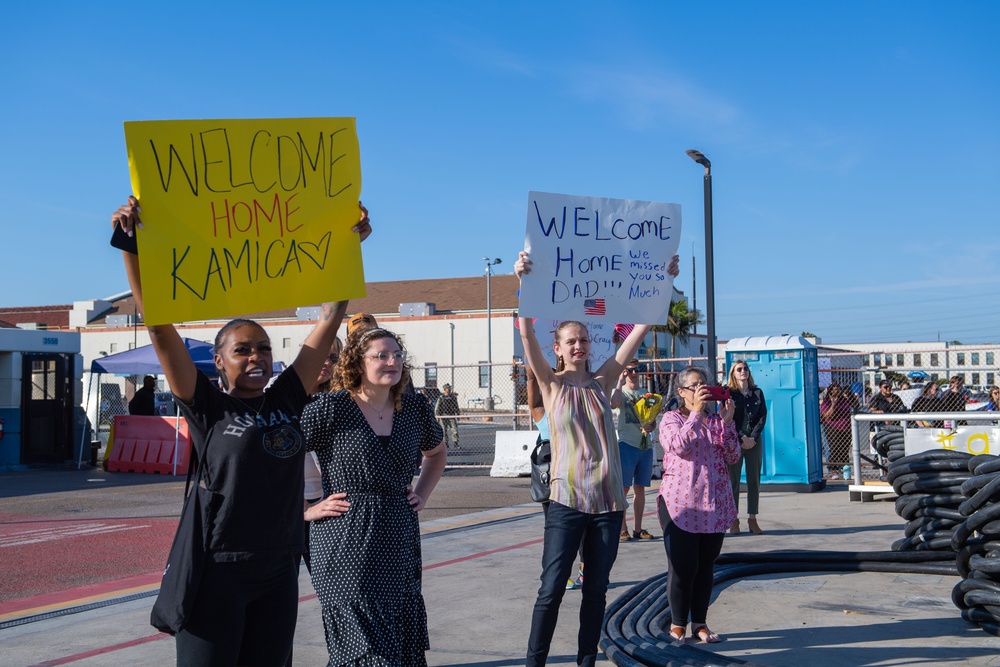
(254, 467)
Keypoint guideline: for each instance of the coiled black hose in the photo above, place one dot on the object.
(636, 624)
(930, 488)
(977, 541)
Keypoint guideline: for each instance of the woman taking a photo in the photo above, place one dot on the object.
(249, 440)
(370, 438)
(750, 417)
(695, 505)
(586, 502)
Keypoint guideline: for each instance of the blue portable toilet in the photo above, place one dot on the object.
(785, 368)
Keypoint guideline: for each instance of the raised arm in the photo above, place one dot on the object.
(532, 350)
(316, 347)
(174, 357)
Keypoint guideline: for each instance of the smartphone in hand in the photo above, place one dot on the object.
(122, 241)
(718, 393)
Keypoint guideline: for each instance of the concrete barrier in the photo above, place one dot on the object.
(512, 453)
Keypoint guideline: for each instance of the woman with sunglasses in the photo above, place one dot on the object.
(370, 438)
(750, 417)
(994, 401)
(695, 504)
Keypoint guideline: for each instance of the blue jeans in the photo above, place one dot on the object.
(567, 530)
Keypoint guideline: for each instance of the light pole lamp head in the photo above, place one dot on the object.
(700, 158)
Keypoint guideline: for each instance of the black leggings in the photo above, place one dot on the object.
(690, 568)
(245, 615)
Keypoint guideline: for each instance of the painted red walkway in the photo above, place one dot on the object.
(69, 558)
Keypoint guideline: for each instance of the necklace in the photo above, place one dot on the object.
(256, 413)
(374, 409)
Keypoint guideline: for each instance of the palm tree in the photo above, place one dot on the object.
(680, 324)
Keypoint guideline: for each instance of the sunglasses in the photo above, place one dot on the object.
(633, 369)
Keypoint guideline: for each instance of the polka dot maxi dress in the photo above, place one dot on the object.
(366, 564)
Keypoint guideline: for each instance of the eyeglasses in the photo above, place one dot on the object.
(398, 357)
(633, 369)
(693, 387)
(741, 369)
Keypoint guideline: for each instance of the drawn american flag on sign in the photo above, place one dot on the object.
(594, 307)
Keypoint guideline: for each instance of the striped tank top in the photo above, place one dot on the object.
(586, 470)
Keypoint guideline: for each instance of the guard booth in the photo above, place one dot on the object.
(784, 367)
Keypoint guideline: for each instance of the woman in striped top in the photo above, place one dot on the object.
(586, 502)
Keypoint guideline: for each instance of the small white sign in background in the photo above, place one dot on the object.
(974, 440)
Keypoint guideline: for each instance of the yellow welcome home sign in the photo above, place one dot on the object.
(244, 216)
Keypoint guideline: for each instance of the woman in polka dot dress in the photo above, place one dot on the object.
(370, 438)
(695, 505)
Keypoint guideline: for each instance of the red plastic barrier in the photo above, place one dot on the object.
(146, 444)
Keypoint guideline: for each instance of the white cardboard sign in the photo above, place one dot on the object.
(597, 259)
(972, 439)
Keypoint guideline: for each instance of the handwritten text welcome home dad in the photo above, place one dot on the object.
(602, 259)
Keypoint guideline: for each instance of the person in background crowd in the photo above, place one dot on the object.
(359, 323)
(695, 505)
(316, 505)
(955, 398)
(993, 403)
(634, 448)
(835, 414)
(750, 417)
(928, 401)
(446, 410)
(904, 385)
(885, 401)
(144, 400)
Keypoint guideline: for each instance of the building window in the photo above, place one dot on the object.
(113, 347)
(934, 359)
(991, 379)
(431, 375)
(989, 358)
(484, 374)
(916, 359)
(286, 343)
(865, 361)
(974, 358)
(888, 360)
(960, 358)
(975, 379)
(900, 360)
(876, 359)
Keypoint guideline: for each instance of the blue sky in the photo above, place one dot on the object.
(855, 145)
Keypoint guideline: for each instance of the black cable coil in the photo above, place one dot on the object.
(977, 543)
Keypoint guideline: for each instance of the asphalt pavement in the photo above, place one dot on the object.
(481, 550)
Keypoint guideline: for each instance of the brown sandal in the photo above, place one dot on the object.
(754, 528)
(676, 632)
(704, 634)
(734, 527)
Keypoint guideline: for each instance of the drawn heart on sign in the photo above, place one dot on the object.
(321, 249)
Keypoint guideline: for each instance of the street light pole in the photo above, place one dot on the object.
(489, 333)
(698, 157)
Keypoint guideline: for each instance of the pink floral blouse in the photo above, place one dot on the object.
(696, 488)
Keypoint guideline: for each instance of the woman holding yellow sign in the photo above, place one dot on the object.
(237, 602)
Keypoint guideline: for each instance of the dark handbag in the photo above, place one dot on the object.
(541, 457)
(186, 560)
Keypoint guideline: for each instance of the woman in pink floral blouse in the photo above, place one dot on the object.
(695, 505)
